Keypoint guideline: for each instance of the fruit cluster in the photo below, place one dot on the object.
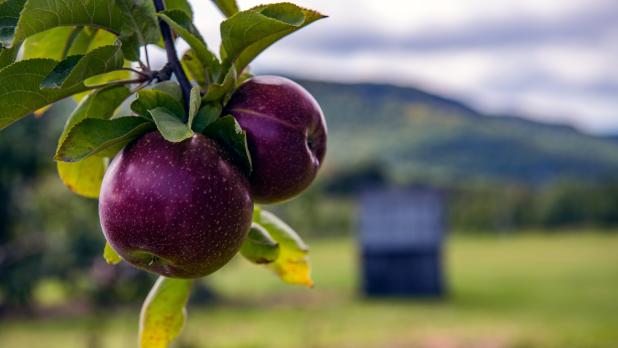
(184, 209)
(204, 142)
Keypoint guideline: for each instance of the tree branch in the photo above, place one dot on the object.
(172, 58)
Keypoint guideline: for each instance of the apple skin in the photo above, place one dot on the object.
(177, 209)
(286, 134)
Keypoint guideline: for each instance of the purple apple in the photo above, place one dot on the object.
(177, 209)
(286, 134)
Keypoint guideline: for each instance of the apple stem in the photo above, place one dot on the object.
(172, 58)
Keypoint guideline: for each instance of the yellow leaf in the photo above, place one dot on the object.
(293, 268)
(83, 177)
(110, 255)
(292, 265)
(163, 313)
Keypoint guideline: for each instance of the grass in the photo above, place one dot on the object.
(526, 291)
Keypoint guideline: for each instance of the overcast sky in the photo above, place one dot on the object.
(551, 60)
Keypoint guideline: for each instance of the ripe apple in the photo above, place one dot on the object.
(177, 209)
(286, 134)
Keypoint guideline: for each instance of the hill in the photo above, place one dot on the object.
(413, 135)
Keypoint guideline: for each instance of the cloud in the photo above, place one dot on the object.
(551, 60)
(583, 28)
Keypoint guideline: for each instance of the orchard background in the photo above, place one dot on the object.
(533, 206)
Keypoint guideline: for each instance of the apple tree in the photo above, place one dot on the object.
(178, 157)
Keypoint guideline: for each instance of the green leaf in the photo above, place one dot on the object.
(292, 265)
(41, 15)
(246, 75)
(75, 70)
(164, 94)
(20, 92)
(142, 19)
(96, 136)
(163, 313)
(111, 78)
(9, 16)
(60, 73)
(195, 68)
(181, 23)
(259, 247)
(140, 26)
(99, 104)
(195, 101)
(170, 126)
(227, 132)
(84, 177)
(8, 56)
(227, 7)
(89, 39)
(170, 87)
(223, 90)
(134, 21)
(246, 34)
(207, 115)
(110, 255)
(182, 5)
(50, 43)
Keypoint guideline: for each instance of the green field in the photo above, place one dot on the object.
(527, 291)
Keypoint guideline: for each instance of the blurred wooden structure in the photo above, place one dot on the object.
(402, 232)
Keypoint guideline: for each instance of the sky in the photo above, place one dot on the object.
(554, 61)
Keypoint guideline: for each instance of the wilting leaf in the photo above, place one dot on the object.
(163, 313)
(292, 265)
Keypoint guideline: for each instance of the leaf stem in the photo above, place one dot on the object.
(117, 83)
(172, 58)
(140, 73)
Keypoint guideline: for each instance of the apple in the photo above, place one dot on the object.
(286, 135)
(181, 210)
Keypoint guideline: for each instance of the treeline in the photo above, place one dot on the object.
(564, 204)
(486, 208)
